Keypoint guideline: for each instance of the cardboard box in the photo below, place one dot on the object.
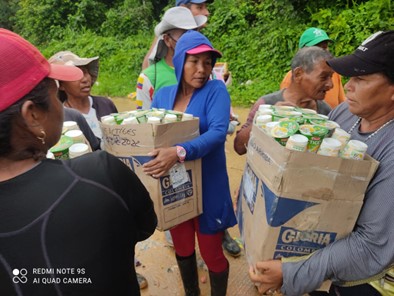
(132, 142)
(293, 203)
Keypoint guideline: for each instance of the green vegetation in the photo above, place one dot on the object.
(257, 38)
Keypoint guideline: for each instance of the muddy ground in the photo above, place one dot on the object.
(157, 259)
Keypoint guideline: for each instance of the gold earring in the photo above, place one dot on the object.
(42, 137)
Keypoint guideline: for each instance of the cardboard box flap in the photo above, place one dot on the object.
(302, 175)
(134, 139)
(167, 135)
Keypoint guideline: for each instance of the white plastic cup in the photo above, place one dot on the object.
(262, 120)
(329, 147)
(331, 125)
(323, 116)
(70, 125)
(78, 149)
(342, 136)
(168, 118)
(50, 155)
(154, 120)
(129, 120)
(264, 107)
(76, 135)
(265, 112)
(269, 126)
(132, 112)
(354, 150)
(108, 119)
(297, 143)
(155, 113)
(187, 116)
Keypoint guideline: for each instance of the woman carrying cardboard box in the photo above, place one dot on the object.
(361, 263)
(209, 101)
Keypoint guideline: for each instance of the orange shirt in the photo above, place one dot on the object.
(333, 97)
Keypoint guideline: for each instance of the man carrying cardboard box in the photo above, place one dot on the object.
(311, 80)
(360, 263)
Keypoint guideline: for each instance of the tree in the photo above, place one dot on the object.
(44, 20)
(8, 9)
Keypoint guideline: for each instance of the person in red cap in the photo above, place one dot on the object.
(67, 227)
(186, 15)
(208, 100)
(362, 262)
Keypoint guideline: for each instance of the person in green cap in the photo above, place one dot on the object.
(318, 37)
(314, 37)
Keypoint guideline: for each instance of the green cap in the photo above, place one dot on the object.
(313, 36)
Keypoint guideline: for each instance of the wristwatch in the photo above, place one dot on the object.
(181, 152)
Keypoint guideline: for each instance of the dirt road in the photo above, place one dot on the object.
(157, 259)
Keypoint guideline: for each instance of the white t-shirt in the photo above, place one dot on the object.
(92, 120)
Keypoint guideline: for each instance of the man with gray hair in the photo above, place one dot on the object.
(317, 37)
(311, 79)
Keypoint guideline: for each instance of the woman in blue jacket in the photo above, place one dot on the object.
(209, 100)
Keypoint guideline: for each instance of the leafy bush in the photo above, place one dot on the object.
(128, 19)
(349, 27)
(258, 38)
(258, 41)
(8, 9)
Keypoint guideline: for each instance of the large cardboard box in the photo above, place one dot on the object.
(293, 203)
(131, 143)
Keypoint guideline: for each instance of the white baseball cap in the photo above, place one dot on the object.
(179, 18)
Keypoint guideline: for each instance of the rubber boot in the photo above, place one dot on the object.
(189, 274)
(218, 282)
(230, 245)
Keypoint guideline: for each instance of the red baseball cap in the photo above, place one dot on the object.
(204, 48)
(23, 67)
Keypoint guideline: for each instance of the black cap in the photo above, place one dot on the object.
(375, 54)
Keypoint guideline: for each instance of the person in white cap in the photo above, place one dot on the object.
(175, 22)
(197, 7)
(77, 94)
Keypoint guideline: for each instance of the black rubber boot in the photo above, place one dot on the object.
(219, 282)
(229, 245)
(189, 274)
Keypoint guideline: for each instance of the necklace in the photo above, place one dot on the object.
(374, 133)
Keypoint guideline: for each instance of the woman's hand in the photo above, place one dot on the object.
(164, 159)
(267, 276)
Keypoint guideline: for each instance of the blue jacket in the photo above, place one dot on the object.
(211, 104)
